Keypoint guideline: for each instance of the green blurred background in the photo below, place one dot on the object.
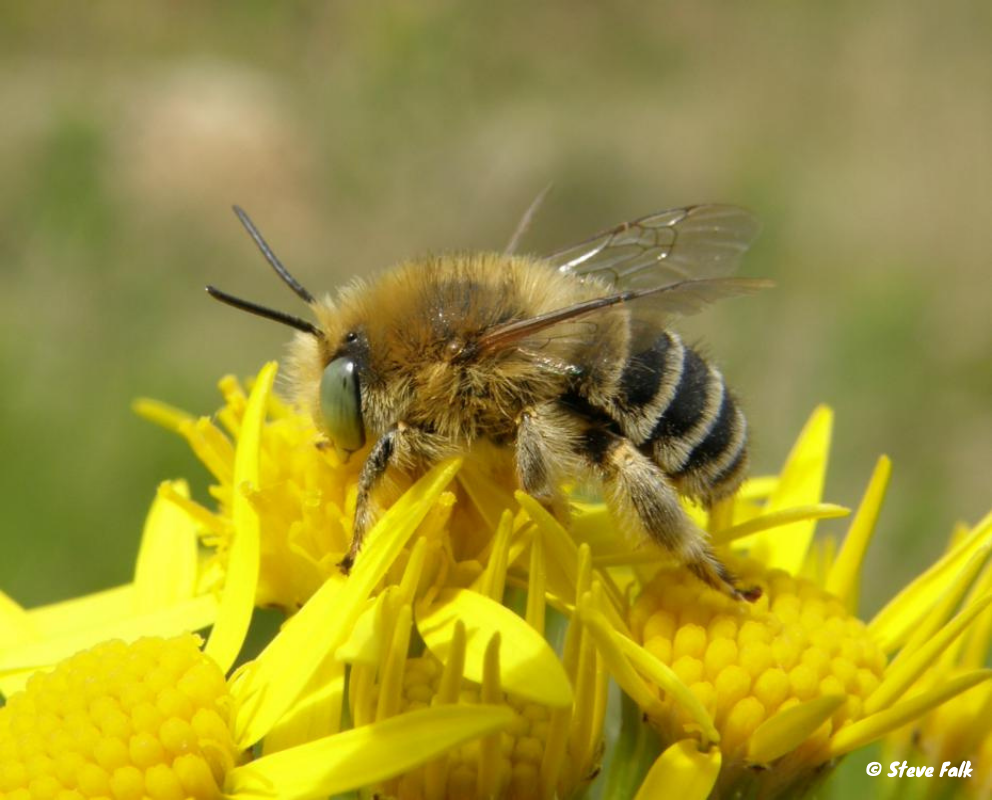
(358, 134)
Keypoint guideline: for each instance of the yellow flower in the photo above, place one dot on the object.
(305, 496)
(155, 718)
(790, 683)
(763, 697)
(164, 599)
(958, 730)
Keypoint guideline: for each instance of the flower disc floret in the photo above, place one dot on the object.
(746, 662)
(147, 719)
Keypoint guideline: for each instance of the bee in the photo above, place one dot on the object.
(566, 362)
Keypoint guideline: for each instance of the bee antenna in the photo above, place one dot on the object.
(526, 219)
(271, 257)
(268, 313)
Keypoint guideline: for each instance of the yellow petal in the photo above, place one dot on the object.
(492, 582)
(364, 756)
(842, 581)
(800, 484)
(238, 598)
(162, 414)
(758, 487)
(682, 772)
(785, 731)
(275, 679)
(488, 496)
(529, 667)
(975, 644)
(933, 622)
(167, 564)
(896, 621)
(15, 624)
(899, 677)
(92, 610)
(364, 643)
(562, 560)
(875, 726)
(639, 690)
(17, 663)
(316, 713)
(663, 676)
(778, 519)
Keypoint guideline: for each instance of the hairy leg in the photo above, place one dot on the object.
(638, 490)
(407, 448)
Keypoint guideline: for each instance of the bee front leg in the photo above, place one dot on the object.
(378, 461)
(641, 492)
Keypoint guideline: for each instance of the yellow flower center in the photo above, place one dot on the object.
(148, 719)
(745, 661)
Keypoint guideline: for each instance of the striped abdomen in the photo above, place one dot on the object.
(676, 409)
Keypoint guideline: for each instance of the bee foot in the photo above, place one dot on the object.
(750, 594)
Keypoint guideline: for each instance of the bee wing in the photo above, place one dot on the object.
(668, 247)
(654, 303)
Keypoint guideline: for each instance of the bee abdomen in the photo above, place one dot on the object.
(677, 409)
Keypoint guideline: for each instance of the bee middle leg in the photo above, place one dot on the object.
(640, 491)
(544, 452)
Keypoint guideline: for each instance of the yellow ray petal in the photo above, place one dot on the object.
(364, 756)
(492, 582)
(238, 598)
(275, 679)
(488, 496)
(896, 621)
(842, 580)
(167, 416)
(899, 677)
(529, 667)
(875, 726)
(663, 676)
(682, 772)
(975, 644)
(800, 484)
(778, 519)
(17, 663)
(932, 623)
(15, 624)
(316, 713)
(364, 642)
(82, 613)
(758, 487)
(785, 731)
(563, 553)
(167, 563)
(621, 655)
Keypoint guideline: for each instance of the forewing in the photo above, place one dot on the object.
(705, 241)
(649, 308)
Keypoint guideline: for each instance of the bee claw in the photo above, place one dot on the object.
(751, 594)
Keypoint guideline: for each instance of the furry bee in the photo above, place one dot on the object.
(565, 361)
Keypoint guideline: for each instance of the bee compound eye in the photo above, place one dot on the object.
(341, 404)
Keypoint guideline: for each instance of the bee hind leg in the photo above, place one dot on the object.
(641, 492)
